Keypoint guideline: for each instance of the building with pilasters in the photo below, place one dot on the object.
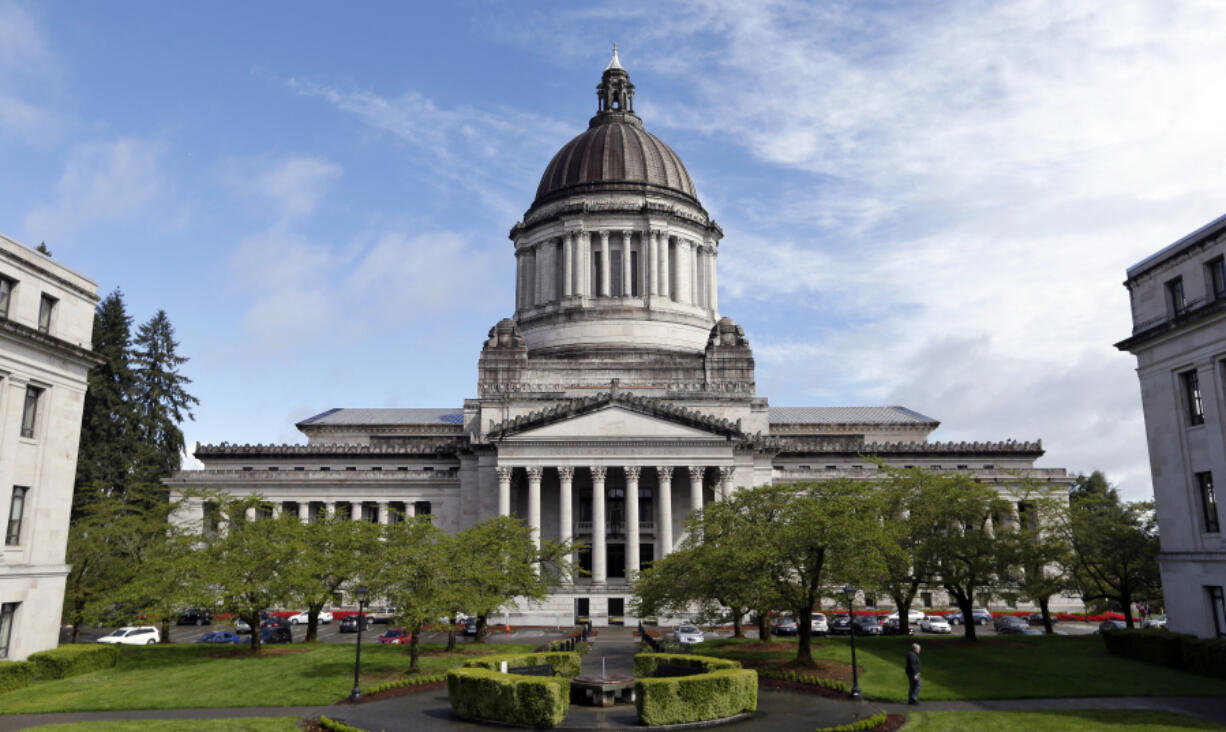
(614, 402)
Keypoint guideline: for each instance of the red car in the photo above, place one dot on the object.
(396, 636)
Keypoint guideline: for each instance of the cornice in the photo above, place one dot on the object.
(792, 446)
(56, 345)
(226, 449)
(44, 272)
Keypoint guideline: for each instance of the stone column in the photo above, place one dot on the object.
(604, 264)
(583, 264)
(725, 481)
(410, 509)
(250, 514)
(383, 519)
(712, 288)
(664, 528)
(632, 521)
(652, 238)
(276, 511)
(568, 264)
(355, 510)
(566, 511)
(330, 509)
(599, 549)
(541, 279)
(666, 286)
(534, 504)
(692, 252)
(695, 487)
(626, 269)
(304, 511)
(504, 491)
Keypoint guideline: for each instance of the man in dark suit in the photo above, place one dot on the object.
(913, 674)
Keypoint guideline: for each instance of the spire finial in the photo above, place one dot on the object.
(614, 63)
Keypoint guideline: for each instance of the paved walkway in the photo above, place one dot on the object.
(1209, 708)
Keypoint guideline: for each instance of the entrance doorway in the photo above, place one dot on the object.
(617, 561)
(583, 607)
(617, 611)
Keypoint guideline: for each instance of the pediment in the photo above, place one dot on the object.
(615, 421)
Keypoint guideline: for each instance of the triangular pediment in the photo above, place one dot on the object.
(615, 421)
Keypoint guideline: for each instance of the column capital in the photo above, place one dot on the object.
(598, 472)
(696, 471)
(632, 472)
(504, 473)
(604, 236)
(566, 472)
(534, 472)
(725, 473)
(664, 472)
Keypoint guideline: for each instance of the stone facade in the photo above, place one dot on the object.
(1178, 300)
(616, 400)
(46, 324)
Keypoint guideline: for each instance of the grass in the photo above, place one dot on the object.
(239, 724)
(1014, 668)
(181, 676)
(1097, 720)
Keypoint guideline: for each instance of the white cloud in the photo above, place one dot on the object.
(28, 70)
(297, 184)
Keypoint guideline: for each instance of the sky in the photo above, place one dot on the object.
(924, 204)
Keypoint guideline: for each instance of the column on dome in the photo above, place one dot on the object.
(568, 264)
(583, 273)
(566, 512)
(540, 256)
(664, 522)
(599, 560)
(534, 504)
(695, 298)
(666, 290)
(504, 491)
(652, 238)
(625, 273)
(695, 487)
(712, 286)
(632, 521)
(519, 279)
(605, 278)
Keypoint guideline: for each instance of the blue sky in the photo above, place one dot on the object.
(930, 205)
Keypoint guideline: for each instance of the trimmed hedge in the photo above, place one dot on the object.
(708, 696)
(787, 675)
(410, 681)
(334, 726)
(860, 725)
(645, 663)
(15, 675)
(484, 694)
(1202, 656)
(566, 665)
(71, 660)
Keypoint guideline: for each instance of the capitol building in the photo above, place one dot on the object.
(615, 400)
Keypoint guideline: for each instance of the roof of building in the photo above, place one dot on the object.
(848, 415)
(1212, 228)
(357, 417)
(615, 152)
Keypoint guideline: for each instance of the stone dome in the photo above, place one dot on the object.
(614, 151)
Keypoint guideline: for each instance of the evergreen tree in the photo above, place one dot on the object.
(161, 398)
(108, 444)
(42, 249)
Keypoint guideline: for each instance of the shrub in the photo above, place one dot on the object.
(410, 681)
(680, 699)
(71, 660)
(645, 663)
(15, 675)
(859, 725)
(786, 675)
(335, 726)
(1204, 655)
(1152, 646)
(485, 694)
(565, 665)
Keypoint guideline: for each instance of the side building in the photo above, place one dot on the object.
(46, 325)
(1179, 338)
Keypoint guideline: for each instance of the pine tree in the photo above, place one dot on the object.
(161, 398)
(108, 443)
(42, 249)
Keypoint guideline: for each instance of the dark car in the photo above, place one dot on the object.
(349, 624)
(273, 621)
(1037, 619)
(867, 625)
(276, 634)
(396, 636)
(1010, 625)
(220, 636)
(981, 617)
(787, 626)
(892, 626)
(195, 616)
(840, 625)
(1109, 625)
(470, 626)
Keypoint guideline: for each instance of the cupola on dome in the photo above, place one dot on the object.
(615, 153)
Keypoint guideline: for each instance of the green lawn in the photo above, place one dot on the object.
(239, 724)
(182, 676)
(1013, 668)
(1080, 721)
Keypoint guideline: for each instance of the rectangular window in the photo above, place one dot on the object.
(1217, 606)
(7, 612)
(1174, 296)
(421, 508)
(1208, 502)
(45, 306)
(1191, 390)
(6, 295)
(29, 414)
(595, 290)
(17, 509)
(1215, 276)
(615, 273)
(636, 290)
(647, 507)
(926, 599)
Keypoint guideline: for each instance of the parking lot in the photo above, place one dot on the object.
(330, 633)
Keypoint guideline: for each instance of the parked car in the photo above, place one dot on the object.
(396, 636)
(381, 615)
(132, 635)
(981, 617)
(687, 634)
(866, 625)
(304, 617)
(820, 626)
(1155, 621)
(195, 616)
(786, 626)
(1010, 625)
(892, 626)
(241, 626)
(935, 624)
(276, 634)
(470, 626)
(913, 616)
(349, 623)
(219, 636)
(1036, 618)
(1109, 625)
(273, 621)
(840, 625)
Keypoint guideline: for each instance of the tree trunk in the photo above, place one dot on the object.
(413, 647)
(764, 627)
(804, 649)
(254, 623)
(451, 638)
(965, 605)
(1043, 602)
(76, 631)
(738, 624)
(480, 638)
(165, 630)
(312, 625)
(1126, 601)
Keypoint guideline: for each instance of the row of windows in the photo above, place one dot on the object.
(46, 305)
(377, 468)
(396, 511)
(1215, 286)
(986, 466)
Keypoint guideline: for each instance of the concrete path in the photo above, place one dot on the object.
(1209, 708)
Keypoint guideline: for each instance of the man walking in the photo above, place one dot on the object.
(913, 674)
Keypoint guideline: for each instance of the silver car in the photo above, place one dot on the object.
(688, 634)
(819, 624)
(935, 624)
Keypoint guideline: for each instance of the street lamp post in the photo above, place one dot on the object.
(850, 592)
(361, 593)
